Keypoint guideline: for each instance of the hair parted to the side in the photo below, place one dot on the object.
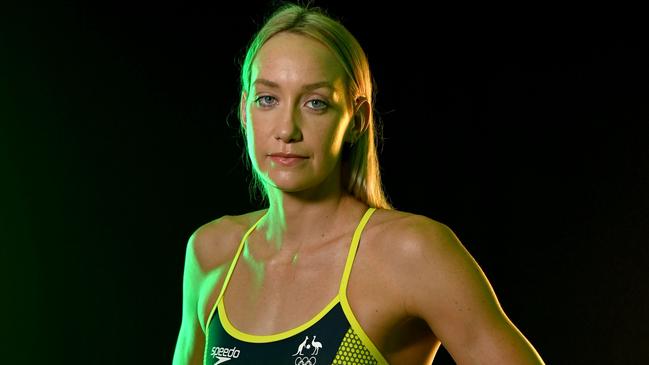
(360, 166)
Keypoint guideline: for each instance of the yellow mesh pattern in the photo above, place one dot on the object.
(352, 351)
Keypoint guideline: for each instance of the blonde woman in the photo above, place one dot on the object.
(329, 272)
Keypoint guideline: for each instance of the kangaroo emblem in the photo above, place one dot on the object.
(301, 347)
(316, 346)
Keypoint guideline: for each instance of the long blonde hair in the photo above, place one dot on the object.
(360, 166)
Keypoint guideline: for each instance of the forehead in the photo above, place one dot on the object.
(288, 58)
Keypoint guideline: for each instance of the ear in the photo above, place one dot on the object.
(359, 121)
(242, 109)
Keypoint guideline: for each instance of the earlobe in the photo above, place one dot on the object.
(352, 130)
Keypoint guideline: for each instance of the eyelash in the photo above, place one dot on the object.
(258, 101)
(324, 104)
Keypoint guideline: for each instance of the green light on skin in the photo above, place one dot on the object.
(196, 287)
(275, 220)
(207, 285)
(257, 268)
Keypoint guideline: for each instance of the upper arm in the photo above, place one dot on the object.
(450, 291)
(191, 340)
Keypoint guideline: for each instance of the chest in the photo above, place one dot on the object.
(264, 299)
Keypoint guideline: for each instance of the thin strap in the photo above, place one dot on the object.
(352, 251)
(231, 268)
(347, 309)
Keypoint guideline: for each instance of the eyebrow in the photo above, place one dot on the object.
(307, 87)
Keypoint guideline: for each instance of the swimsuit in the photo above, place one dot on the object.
(333, 336)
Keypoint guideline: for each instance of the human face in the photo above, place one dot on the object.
(296, 113)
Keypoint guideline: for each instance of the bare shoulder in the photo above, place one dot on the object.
(215, 242)
(436, 279)
(413, 246)
(409, 235)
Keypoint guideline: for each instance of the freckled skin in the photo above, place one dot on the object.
(288, 119)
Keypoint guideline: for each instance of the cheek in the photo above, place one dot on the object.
(251, 146)
(256, 148)
(336, 139)
(329, 145)
(254, 141)
(255, 132)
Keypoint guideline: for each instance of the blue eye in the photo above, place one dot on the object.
(265, 101)
(317, 104)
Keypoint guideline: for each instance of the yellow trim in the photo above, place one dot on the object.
(230, 270)
(352, 250)
(361, 334)
(347, 309)
(234, 332)
(340, 298)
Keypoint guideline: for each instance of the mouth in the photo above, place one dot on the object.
(287, 159)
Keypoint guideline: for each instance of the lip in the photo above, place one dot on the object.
(287, 159)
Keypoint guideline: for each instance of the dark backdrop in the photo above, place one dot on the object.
(524, 130)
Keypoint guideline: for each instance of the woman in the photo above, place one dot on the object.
(329, 273)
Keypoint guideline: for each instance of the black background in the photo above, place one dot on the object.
(523, 129)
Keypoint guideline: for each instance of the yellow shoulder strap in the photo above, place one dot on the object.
(355, 326)
(231, 269)
(352, 251)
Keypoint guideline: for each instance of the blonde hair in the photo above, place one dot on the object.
(360, 166)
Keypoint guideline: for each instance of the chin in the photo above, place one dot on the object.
(291, 185)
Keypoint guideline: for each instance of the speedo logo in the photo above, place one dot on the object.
(223, 354)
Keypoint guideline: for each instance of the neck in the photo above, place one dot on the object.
(294, 219)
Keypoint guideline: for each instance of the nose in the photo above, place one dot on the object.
(288, 127)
